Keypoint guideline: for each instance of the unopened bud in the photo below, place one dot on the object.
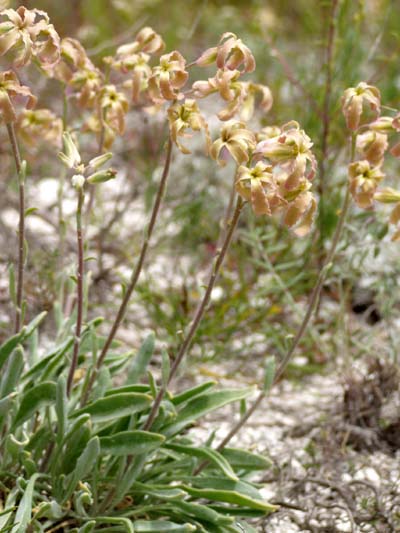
(102, 175)
(78, 181)
(99, 161)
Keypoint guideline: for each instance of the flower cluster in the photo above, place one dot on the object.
(280, 181)
(361, 107)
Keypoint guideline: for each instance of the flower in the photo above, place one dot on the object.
(147, 40)
(372, 146)
(236, 140)
(353, 100)
(184, 116)
(114, 106)
(10, 91)
(138, 65)
(31, 35)
(250, 91)
(364, 180)
(258, 186)
(40, 125)
(231, 53)
(168, 78)
(291, 152)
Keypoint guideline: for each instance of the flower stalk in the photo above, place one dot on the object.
(135, 274)
(21, 225)
(199, 312)
(79, 292)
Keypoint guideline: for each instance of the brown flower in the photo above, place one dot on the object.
(258, 186)
(147, 40)
(236, 140)
(114, 106)
(31, 35)
(184, 116)
(291, 152)
(231, 53)
(353, 101)
(40, 125)
(11, 91)
(168, 78)
(364, 180)
(372, 146)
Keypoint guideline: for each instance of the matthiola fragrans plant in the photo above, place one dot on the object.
(91, 440)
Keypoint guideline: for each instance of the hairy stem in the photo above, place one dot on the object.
(306, 320)
(199, 312)
(21, 225)
(135, 274)
(79, 294)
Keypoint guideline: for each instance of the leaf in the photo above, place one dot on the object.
(12, 289)
(165, 367)
(115, 406)
(191, 393)
(9, 345)
(130, 443)
(37, 397)
(207, 454)
(203, 404)
(203, 513)
(13, 372)
(161, 526)
(24, 511)
(230, 496)
(242, 459)
(61, 407)
(142, 359)
(83, 466)
(30, 211)
(270, 367)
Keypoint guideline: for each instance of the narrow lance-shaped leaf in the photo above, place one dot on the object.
(204, 404)
(24, 511)
(83, 466)
(142, 359)
(35, 398)
(162, 526)
(115, 406)
(13, 372)
(61, 407)
(130, 443)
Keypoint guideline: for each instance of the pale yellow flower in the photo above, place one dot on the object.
(168, 78)
(30, 34)
(236, 140)
(10, 91)
(40, 125)
(364, 180)
(186, 116)
(231, 53)
(353, 101)
(372, 146)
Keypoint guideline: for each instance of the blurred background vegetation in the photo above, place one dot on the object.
(307, 52)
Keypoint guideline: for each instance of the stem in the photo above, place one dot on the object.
(310, 308)
(21, 225)
(135, 274)
(326, 122)
(199, 312)
(80, 274)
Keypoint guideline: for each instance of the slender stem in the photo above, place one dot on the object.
(21, 225)
(135, 274)
(79, 303)
(310, 308)
(199, 312)
(326, 123)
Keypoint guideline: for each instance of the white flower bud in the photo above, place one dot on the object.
(78, 181)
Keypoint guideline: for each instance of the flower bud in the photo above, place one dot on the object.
(99, 161)
(102, 175)
(78, 181)
(71, 156)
